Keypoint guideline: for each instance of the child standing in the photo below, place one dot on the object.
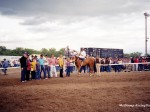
(68, 68)
(33, 69)
(37, 69)
(61, 64)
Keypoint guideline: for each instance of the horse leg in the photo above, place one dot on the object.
(91, 71)
(79, 71)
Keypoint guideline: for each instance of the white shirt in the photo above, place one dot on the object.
(45, 61)
(82, 54)
(74, 53)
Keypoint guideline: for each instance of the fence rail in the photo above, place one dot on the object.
(100, 64)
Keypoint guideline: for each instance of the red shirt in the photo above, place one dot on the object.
(136, 60)
(28, 65)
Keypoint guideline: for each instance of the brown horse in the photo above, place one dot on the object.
(88, 61)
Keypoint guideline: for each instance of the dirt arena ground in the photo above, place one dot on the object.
(111, 92)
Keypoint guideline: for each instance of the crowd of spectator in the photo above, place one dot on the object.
(32, 67)
(120, 64)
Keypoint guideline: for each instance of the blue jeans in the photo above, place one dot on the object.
(71, 69)
(15, 65)
(23, 74)
(47, 70)
(117, 68)
(102, 69)
(108, 68)
(140, 67)
(38, 74)
(68, 71)
(33, 75)
(82, 68)
(42, 69)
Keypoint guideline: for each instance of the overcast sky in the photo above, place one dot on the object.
(78, 23)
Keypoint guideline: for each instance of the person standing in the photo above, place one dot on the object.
(41, 62)
(110, 62)
(140, 68)
(53, 63)
(102, 62)
(28, 68)
(23, 62)
(33, 69)
(61, 64)
(119, 61)
(132, 61)
(136, 61)
(68, 68)
(116, 66)
(107, 62)
(5, 66)
(98, 65)
(71, 65)
(47, 67)
(37, 69)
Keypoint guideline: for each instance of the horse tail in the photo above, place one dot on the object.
(94, 67)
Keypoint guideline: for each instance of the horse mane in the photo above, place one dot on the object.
(76, 58)
(77, 61)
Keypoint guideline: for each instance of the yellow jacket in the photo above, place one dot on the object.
(61, 62)
(33, 66)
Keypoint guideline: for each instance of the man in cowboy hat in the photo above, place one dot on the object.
(23, 62)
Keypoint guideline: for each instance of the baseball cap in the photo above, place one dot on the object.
(25, 53)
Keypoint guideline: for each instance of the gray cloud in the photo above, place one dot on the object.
(104, 23)
(60, 9)
(34, 20)
(7, 11)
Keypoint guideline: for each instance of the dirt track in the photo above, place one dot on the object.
(76, 94)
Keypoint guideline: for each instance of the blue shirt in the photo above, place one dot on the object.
(41, 61)
(5, 64)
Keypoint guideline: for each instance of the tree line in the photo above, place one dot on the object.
(19, 51)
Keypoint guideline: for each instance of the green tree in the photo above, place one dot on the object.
(61, 51)
(2, 50)
(135, 54)
(18, 51)
(31, 51)
(8, 52)
(44, 51)
(126, 55)
(53, 51)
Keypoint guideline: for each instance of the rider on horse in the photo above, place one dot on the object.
(82, 55)
(81, 60)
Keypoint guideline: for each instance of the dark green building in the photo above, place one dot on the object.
(104, 52)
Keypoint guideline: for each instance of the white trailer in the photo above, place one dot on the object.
(11, 59)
